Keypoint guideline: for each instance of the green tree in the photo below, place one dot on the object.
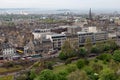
(95, 49)
(9, 64)
(91, 74)
(88, 44)
(100, 45)
(106, 47)
(67, 50)
(49, 75)
(60, 77)
(21, 77)
(71, 68)
(82, 52)
(114, 65)
(32, 75)
(77, 75)
(97, 67)
(80, 63)
(116, 55)
(105, 57)
(49, 65)
(62, 56)
(107, 74)
(46, 75)
(75, 46)
(68, 61)
(113, 44)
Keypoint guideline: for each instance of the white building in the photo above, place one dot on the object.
(57, 40)
(90, 29)
(94, 36)
(8, 51)
(41, 33)
(100, 36)
(82, 36)
(73, 29)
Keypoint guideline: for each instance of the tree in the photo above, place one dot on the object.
(88, 44)
(113, 44)
(21, 77)
(80, 63)
(107, 74)
(82, 52)
(46, 75)
(32, 75)
(105, 57)
(114, 65)
(100, 46)
(91, 74)
(68, 61)
(97, 67)
(116, 55)
(9, 64)
(49, 65)
(71, 68)
(95, 49)
(60, 77)
(75, 46)
(106, 47)
(77, 75)
(62, 56)
(49, 75)
(67, 50)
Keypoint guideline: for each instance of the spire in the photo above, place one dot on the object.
(90, 14)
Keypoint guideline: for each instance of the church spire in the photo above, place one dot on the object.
(90, 14)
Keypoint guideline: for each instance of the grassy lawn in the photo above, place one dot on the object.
(12, 69)
(10, 77)
(62, 67)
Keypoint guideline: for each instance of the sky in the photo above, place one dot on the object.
(61, 4)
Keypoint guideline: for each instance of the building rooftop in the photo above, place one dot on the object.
(83, 32)
(5, 45)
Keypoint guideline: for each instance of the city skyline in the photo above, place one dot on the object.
(61, 4)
